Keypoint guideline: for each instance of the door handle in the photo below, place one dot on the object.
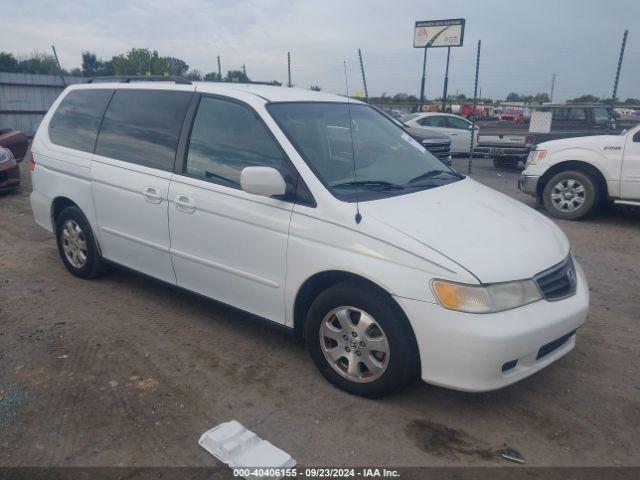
(185, 204)
(152, 195)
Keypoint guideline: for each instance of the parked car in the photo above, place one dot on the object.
(509, 143)
(438, 144)
(250, 195)
(456, 127)
(512, 116)
(572, 176)
(13, 147)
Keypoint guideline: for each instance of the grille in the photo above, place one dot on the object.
(558, 282)
(440, 150)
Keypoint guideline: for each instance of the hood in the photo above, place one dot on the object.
(597, 142)
(492, 236)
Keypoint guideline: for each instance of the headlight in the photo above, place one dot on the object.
(5, 155)
(536, 156)
(487, 298)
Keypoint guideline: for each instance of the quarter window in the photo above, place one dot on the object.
(76, 122)
(143, 126)
(227, 137)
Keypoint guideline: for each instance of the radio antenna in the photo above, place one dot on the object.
(353, 150)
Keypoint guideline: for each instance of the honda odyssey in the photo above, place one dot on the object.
(315, 212)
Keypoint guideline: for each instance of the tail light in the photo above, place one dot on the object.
(32, 162)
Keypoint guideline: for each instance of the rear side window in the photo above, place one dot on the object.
(433, 121)
(143, 127)
(601, 116)
(458, 123)
(226, 138)
(76, 122)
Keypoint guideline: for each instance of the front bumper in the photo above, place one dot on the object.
(528, 184)
(516, 153)
(473, 352)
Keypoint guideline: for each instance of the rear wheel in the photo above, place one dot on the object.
(361, 341)
(570, 195)
(76, 244)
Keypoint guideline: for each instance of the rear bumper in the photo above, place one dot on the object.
(9, 175)
(41, 207)
(528, 184)
(486, 352)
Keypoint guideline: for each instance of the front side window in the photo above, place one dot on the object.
(227, 137)
(577, 114)
(143, 127)
(76, 121)
(357, 152)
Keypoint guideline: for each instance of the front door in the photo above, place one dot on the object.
(130, 173)
(630, 174)
(227, 244)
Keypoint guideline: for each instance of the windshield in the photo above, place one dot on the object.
(353, 148)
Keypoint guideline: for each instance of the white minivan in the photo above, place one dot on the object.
(316, 213)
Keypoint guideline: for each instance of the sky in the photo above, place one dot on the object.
(523, 42)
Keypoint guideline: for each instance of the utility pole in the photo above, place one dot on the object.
(364, 79)
(475, 102)
(289, 84)
(446, 81)
(244, 70)
(219, 69)
(553, 84)
(615, 84)
(59, 67)
(424, 69)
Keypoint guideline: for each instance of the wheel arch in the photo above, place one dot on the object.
(579, 165)
(58, 204)
(318, 282)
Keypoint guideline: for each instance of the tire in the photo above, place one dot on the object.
(570, 195)
(378, 319)
(76, 244)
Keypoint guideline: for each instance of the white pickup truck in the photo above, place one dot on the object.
(574, 175)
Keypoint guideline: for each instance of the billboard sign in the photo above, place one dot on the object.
(439, 33)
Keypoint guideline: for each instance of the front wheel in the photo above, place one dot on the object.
(361, 341)
(570, 195)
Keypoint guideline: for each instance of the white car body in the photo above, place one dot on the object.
(257, 253)
(458, 129)
(614, 158)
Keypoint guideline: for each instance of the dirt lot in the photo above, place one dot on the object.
(125, 370)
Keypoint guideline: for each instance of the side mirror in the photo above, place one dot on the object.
(263, 181)
(636, 137)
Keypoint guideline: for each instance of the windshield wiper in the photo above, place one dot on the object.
(370, 183)
(435, 173)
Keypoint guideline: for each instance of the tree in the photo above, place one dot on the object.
(513, 97)
(8, 62)
(315, 88)
(194, 75)
(38, 63)
(632, 101)
(237, 76)
(212, 77)
(140, 61)
(176, 67)
(587, 98)
(93, 67)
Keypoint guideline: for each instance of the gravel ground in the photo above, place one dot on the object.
(127, 371)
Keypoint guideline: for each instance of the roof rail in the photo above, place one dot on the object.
(140, 78)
